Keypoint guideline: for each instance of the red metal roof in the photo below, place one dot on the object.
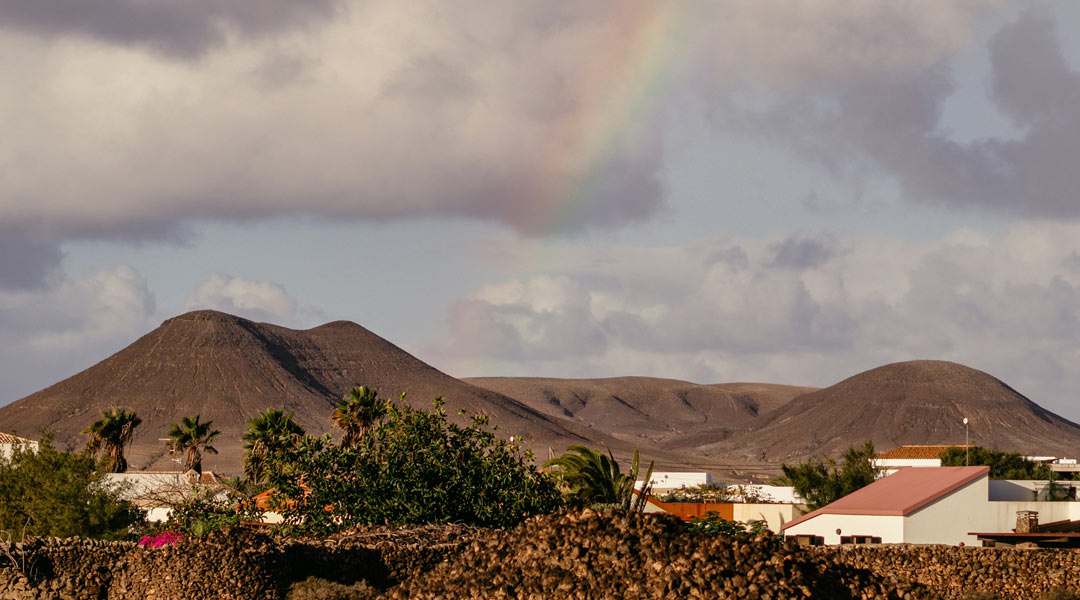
(901, 493)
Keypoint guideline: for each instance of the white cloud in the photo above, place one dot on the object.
(1007, 303)
(71, 324)
(256, 300)
(542, 117)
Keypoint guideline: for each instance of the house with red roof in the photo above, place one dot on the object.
(931, 505)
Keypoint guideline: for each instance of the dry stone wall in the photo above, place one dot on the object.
(576, 555)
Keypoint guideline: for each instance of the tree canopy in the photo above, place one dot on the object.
(110, 435)
(1003, 465)
(51, 493)
(595, 478)
(272, 432)
(356, 412)
(821, 480)
(192, 437)
(411, 467)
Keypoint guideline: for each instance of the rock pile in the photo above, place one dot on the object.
(587, 555)
(960, 572)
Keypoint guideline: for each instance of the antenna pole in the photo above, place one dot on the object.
(967, 443)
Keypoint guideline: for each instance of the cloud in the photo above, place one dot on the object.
(26, 262)
(70, 324)
(546, 119)
(256, 300)
(1005, 303)
(184, 29)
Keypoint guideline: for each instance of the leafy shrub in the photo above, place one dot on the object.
(51, 493)
(1003, 465)
(210, 510)
(314, 588)
(412, 467)
(714, 524)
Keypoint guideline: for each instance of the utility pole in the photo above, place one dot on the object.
(967, 444)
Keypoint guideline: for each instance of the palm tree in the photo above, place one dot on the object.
(192, 438)
(110, 435)
(272, 431)
(356, 412)
(595, 478)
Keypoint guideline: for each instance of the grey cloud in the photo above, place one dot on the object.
(801, 253)
(890, 123)
(181, 29)
(26, 261)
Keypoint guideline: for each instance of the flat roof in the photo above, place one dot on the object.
(901, 493)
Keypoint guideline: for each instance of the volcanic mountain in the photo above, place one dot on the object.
(228, 369)
(916, 402)
(648, 409)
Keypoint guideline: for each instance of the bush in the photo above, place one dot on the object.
(314, 588)
(412, 467)
(51, 493)
(714, 524)
(210, 510)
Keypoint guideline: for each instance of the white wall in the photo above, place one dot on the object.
(773, 514)
(778, 493)
(675, 480)
(949, 519)
(890, 528)
(6, 450)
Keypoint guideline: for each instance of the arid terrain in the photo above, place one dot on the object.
(228, 369)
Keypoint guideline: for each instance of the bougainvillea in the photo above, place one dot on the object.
(165, 538)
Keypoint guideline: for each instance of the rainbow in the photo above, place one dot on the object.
(620, 95)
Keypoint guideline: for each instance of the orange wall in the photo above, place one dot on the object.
(688, 511)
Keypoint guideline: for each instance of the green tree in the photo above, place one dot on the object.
(50, 493)
(356, 413)
(1003, 465)
(411, 467)
(192, 437)
(110, 435)
(271, 432)
(595, 478)
(821, 481)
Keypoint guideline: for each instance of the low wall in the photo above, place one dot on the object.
(952, 571)
(232, 565)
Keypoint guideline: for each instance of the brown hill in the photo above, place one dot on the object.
(228, 369)
(648, 409)
(916, 402)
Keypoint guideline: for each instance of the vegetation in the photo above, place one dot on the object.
(192, 438)
(713, 492)
(109, 436)
(821, 480)
(207, 510)
(714, 524)
(356, 413)
(51, 493)
(411, 467)
(593, 478)
(1003, 465)
(272, 432)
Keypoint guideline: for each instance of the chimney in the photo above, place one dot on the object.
(1027, 521)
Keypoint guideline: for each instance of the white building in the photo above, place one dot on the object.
(9, 442)
(666, 482)
(911, 456)
(157, 491)
(942, 505)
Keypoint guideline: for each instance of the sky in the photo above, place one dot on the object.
(750, 190)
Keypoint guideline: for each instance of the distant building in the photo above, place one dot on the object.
(9, 442)
(912, 456)
(932, 505)
(156, 492)
(669, 482)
